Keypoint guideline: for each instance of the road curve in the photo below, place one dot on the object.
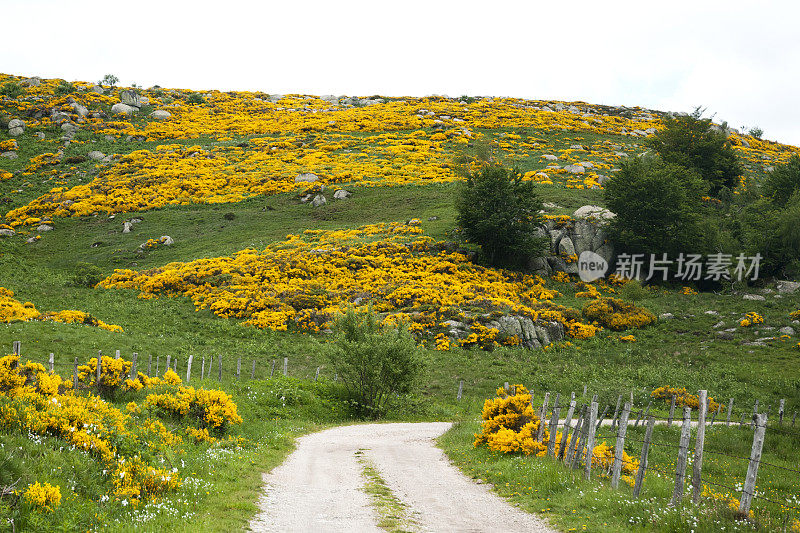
(319, 487)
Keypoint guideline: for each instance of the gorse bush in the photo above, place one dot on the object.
(374, 361)
(500, 213)
(616, 314)
(86, 275)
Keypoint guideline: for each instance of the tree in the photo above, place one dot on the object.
(374, 361)
(781, 183)
(500, 213)
(658, 207)
(693, 142)
(109, 79)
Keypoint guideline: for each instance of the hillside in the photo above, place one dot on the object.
(236, 224)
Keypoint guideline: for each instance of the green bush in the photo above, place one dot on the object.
(634, 291)
(195, 98)
(773, 231)
(87, 275)
(756, 132)
(500, 213)
(108, 80)
(659, 208)
(692, 142)
(781, 183)
(64, 88)
(12, 89)
(374, 362)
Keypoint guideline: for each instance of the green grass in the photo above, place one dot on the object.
(393, 514)
(566, 499)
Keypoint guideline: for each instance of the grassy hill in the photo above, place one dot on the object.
(219, 176)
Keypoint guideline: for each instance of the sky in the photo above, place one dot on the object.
(739, 60)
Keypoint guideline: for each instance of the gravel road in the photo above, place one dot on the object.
(319, 487)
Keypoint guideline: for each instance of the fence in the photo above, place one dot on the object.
(579, 438)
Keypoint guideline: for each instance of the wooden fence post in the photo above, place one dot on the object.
(203, 368)
(565, 431)
(551, 442)
(576, 459)
(189, 368)
(167, 367)
(175, 365)
(697, 466)
(718, 411)
(616, 412)
(602, 417)
(150, 366)
(52, 363)
(643, 414)
(219, 376)
(98, 368)
(576, 434)
(730, 412)
(134, 373)
(239, 368)
(75, 375)
(780, 408)
(752, 468)
(648, 435)
(683, 453)
(755, 412)
(117, 355)
(590, 440)
(460, 389)
(285, 366)
(585, 389)
(253, 371)
(619, 450)
(16, 347)
(316, 374)
(671, 411)
(272, 371)
(741, 422)
(542, 414)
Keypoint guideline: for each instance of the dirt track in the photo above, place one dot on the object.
(319, 487)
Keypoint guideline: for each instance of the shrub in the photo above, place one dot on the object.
(109, 80)
(500, 213)
(634, 291)
(774, 232)
(12, 89)
(683, 398)
(780, 184)
(195, 98)
(374, 361)
(616, 314)
(658, 207)
(64, 88)
(693, 142)
(86, 275)
(756, 132)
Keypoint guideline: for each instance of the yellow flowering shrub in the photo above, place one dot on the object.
(209, 408)
(510, 424)
(12, 310)
(684, 398)
(688, 291)
(751, 319)
(795, 315)
(616, 314)
(43, 496)
(16, 378)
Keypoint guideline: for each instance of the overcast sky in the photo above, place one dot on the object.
(740, 60)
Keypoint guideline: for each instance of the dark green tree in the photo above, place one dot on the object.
(692, 142)
(658, 206)
(781, 184)
(499, 212)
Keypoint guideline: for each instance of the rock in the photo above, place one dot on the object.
(725, 335)
(542, 176)
(712, 312)
(754, 297)
(40, 135)
(166, 240)
(97, 89)
(160, 114)
(566, 247)
(5, 232)
(433, 218)
(16, 123)
(787, 330)
(122, 109)
(575, 147)
(306, 177)
(126, 227)
(550, 157)
(785, 287)
(718, 325)
(586, 164)
(68, 127)
(341, 194)
(319, 200)
(95, 154)
(575, 169)
(666, 316)
(16, 132)
(550, 205)
(32, 82)
(593, 211)
(130, 98)
(44, 227)
(9, 155)
(79, 109)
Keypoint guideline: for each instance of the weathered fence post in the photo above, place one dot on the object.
(150, 366)
(683, 453)
(98, 368)
(730, 412)
(75, 375)
(741, 422)
(203, 368)
(167, 367)
(602, 417)
(585, 389)
(648, 435)
(619, 450)
(752, 468)
(590, 440)
(551, 442)
(134, 373)
(697, 466)
(52, 363)
(755, 412)
(285, 366)
(460, 389)
(316, 374)
(616, 412)
(117, 355)
(189, 368)
(253, 371)
(576, 435)
(239, 368)
(643, 414)
(671, 411)
(582, 452)
(542, 414)
(272, 371)
(780, 407)
(175, 365)
(565, 432)
(16, 347)
(158, 365)
(219, 376)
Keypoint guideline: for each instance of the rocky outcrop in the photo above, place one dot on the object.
(531, 334)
